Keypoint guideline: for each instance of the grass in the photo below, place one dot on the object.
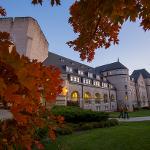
(139, 113)
(126, 136)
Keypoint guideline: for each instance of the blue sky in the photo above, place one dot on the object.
(133, 49)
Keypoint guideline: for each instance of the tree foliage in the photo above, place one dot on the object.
(98, 22)
(22, 83)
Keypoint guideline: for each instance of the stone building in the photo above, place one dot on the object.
(104, 88)
(27, 36)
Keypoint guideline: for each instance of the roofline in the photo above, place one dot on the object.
(26, 17)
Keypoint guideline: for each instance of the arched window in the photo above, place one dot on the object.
(98, 98)
(87, 96)
(105, 98)
(126, 97)
(112, 97)
(75, 96)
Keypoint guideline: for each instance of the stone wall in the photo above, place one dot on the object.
(27, 36)
(147, 81)
(141, 91)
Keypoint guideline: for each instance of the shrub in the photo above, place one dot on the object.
(92, 125)
(41, 133)
(64, 130)
(146, 108)
(86, 126)
(113, 122)
(76, 115)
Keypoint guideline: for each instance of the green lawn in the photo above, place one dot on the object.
(139, 113)
(126, 136)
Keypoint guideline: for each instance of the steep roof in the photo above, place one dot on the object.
(143, 72)
(61, 62)
(112, 66)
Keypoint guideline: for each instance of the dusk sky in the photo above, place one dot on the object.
(133, 49)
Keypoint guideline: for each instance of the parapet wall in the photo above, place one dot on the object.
(27, 36)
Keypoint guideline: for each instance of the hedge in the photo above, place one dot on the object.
(77, 115)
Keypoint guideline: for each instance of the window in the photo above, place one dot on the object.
(105, 85)
(87, 96)
(86, 81)
(90, 75)
(125, 86)
(110, 86)
(126, 96)
(62, 60)
(105, 74)
(74, 79)
(97, 77)
(69, 69)
(98, 98)
(96, 83)
(105, 98)
(112, 97)
(75, 96)
(80, 72)
(71, 78)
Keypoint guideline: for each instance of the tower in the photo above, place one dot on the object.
(27, 36)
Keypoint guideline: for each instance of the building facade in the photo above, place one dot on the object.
(104, 88)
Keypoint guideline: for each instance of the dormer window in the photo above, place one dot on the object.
(105, 85)
(105, 74)
(132, 79)
(80, 72)
(96, 83)
(98, 77)
(104, 79)
(72, 63)
(110, 86)
(90, 75)
(69, 69)
(86, 81)
(62, 60)
(74, 78)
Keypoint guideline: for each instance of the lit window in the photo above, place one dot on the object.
(96, 83)
(71, 78)
(75, 96)
(87, 96)
(86, 81)
(74, 79)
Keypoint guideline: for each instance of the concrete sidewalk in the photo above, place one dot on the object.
(134, 119)
(5, 114)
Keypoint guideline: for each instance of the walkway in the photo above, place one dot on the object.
(134, 119)
(5, 114)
